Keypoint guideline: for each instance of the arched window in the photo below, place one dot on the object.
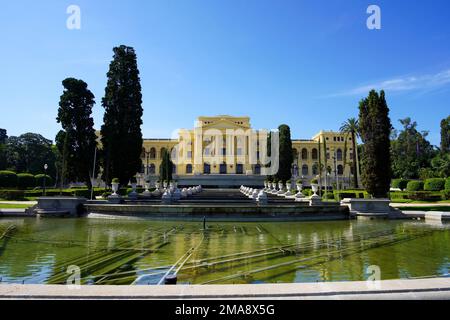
(315, 154)
(305, 170)
(189, 168)
(304, 154)
(339, 154)
(152, 153)
(151, 169)
(340, 170)
(206, 168)
(174, 168)
(315, 169)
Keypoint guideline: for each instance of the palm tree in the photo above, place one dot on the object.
(351, 126)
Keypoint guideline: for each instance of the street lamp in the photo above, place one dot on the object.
(45, 176)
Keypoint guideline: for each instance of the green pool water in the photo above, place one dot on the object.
(142, 252)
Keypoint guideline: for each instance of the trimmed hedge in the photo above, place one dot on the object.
(8, 179)
(25, 181)
(434, 184)
(12, 195)
(447, 184)
(415, 185)
(328, 195)
(425, 196)
(400, 184)
(40, 180)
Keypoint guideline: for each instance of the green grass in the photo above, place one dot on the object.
(14, 206)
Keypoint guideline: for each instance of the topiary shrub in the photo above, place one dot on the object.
(40, 180)
(25, 181)
(415, 185)
(328, 195)
(434, 184)
(447, 184)
(424, 196)
(8, 179)
(399, 184)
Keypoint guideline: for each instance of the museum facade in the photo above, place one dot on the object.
(228, 148)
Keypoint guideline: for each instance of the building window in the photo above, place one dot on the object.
(315, 169)
(304, 154)
(174, 169)
(239, 151)
(151, 169)
(257, 169)
(152, 153)
(339, 154)
(189, 168)
(239, 168)
(340, 170)
(206, 168)
(305, 170)
(224, 151)
(207, 152)
(315, 155)
(223, 168)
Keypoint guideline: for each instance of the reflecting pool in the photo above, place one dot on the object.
(144, 251)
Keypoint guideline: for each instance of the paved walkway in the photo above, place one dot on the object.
(432, 288)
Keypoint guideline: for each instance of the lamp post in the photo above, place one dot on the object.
(45, 176)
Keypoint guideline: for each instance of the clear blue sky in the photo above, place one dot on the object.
(303, 63)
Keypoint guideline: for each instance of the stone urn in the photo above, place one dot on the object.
(299, 194)
(115, 188)
(315, 188)
(288, 193)
(281, 188)
(165, 184)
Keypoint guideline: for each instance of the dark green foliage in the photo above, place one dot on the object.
(445, 135)
(286, 153)
(3, 138)
(76, 143)
(415, 185)
(121, 130)
(25, 181)
(166, 167)
(375, 128)
(29, 152)
(12, 195)
(328, 195)
(435, 184)
(8, 179)
(400, 184)
(411, 151)
(40, 180)
(441, 165)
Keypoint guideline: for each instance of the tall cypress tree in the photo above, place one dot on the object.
(121, 131)
(286, 154)
(375, 128)
(166, 167)
(75, 116)
(445, 135)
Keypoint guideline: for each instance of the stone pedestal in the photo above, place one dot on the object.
(368, 207)
(115, 199)
(315, 200)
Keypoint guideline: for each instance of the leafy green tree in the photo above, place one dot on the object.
(351, 127)
(445, 135)
(79, 142)
(411, 151)
(441, 165)
(286, 154)
(375, 128)
(29, 152)
(166, 167)
(3, 136)
(121, 130)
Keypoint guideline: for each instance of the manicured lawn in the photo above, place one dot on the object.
(14, 206)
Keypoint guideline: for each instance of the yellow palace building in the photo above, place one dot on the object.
(226, 151)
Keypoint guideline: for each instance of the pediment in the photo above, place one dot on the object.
(224, 123)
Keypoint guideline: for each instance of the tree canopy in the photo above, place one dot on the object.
(286, 154)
